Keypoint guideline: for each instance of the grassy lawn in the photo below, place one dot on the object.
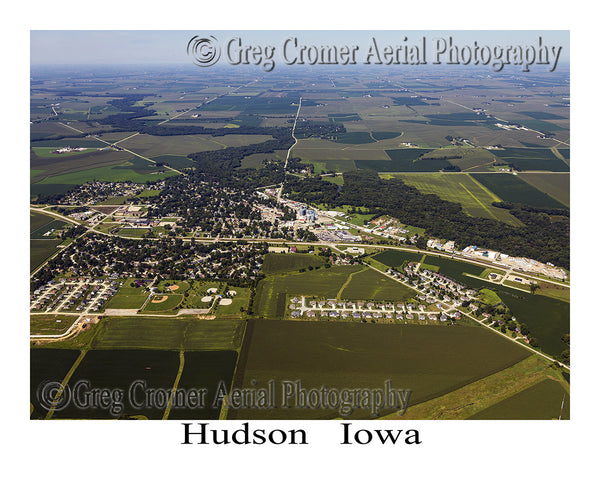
(50, 324)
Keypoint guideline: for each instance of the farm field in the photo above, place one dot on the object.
(477, 396)
(118, 369)
(555, 185)
(135, 170)
(285, 262)
(396, 258)
(475, 199)
(511, 188)
(534, 158)
(540, 402)
(44, 366)
(270, 298)
(349, 355)
(370, 285)
(205, 370)
(167, 333)
(40, 250)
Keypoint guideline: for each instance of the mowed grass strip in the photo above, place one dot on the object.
(431, 361)
(168, 333)
(475, 199)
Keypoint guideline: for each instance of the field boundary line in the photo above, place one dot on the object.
(175, 385)
(65, 381)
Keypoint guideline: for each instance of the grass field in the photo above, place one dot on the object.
(555, 185)
(475, 199)
(168, 333)
(431, 361)
(50, 324)
(511, 188)
(540, 402)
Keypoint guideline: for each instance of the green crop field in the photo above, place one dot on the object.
(168, 333)
(269, 301)
(454, 269)
(128, 171)
(119, 369)
(555, 185)
(53, 224)
(405, 160)
(204, 370)
(47, 365)
(397, 258)
(40, 250)
(534, 158)
(542, 401)
(286, 262)
(511, 188)
(371, 285)
(175, 161)
(475, 199)
(429, 360)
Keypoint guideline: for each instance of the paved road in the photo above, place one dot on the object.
(290, 149)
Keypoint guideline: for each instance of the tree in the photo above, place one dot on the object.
(533, 287)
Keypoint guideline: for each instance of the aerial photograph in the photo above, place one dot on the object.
(299, 225)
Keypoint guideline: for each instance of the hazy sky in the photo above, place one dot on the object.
(162, 46)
